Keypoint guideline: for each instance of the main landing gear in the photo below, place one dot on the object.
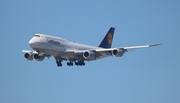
(58, 62)
(80, 63)
(70, 63)
(77, 63)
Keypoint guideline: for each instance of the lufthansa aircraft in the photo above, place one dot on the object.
(74, 53)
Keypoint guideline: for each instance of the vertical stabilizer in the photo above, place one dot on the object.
(108, 39)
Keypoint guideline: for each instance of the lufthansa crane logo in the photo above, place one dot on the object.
(109, 37)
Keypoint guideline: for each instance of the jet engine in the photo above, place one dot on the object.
(117, 52)
(28, 56)
(38, 57)
(88, 55)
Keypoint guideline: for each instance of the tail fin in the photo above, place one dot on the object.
(107, 41)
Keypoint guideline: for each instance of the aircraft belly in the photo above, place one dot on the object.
(71, 56)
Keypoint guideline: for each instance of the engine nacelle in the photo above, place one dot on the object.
(117, 52)
(28, 56)
(38, 57)
(89, 55)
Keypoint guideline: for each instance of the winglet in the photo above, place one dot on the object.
(107, 41)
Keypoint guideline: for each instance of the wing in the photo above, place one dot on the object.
(28, 51)
(126, 49)
(102, 52)
(138, 47)
(35, 52)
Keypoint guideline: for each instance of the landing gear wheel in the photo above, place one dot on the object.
(70, 63)
(80, 63)
(59, 64)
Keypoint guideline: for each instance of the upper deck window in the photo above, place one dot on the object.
(36, 35)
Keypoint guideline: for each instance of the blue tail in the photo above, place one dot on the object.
(107, 41)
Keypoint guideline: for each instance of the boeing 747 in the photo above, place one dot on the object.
(75, 53)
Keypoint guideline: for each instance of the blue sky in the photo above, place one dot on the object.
(149, 75)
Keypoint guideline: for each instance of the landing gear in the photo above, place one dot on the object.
(70, 63)
(77, 63)
(58, 62)
(80, 63)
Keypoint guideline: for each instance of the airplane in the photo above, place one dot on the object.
(75, 53)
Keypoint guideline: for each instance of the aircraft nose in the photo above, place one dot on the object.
(31, 42)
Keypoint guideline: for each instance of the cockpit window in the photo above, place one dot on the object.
(36, 35)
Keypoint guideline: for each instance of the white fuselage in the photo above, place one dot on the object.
(55, 46)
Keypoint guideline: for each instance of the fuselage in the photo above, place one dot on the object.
(52, 45)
